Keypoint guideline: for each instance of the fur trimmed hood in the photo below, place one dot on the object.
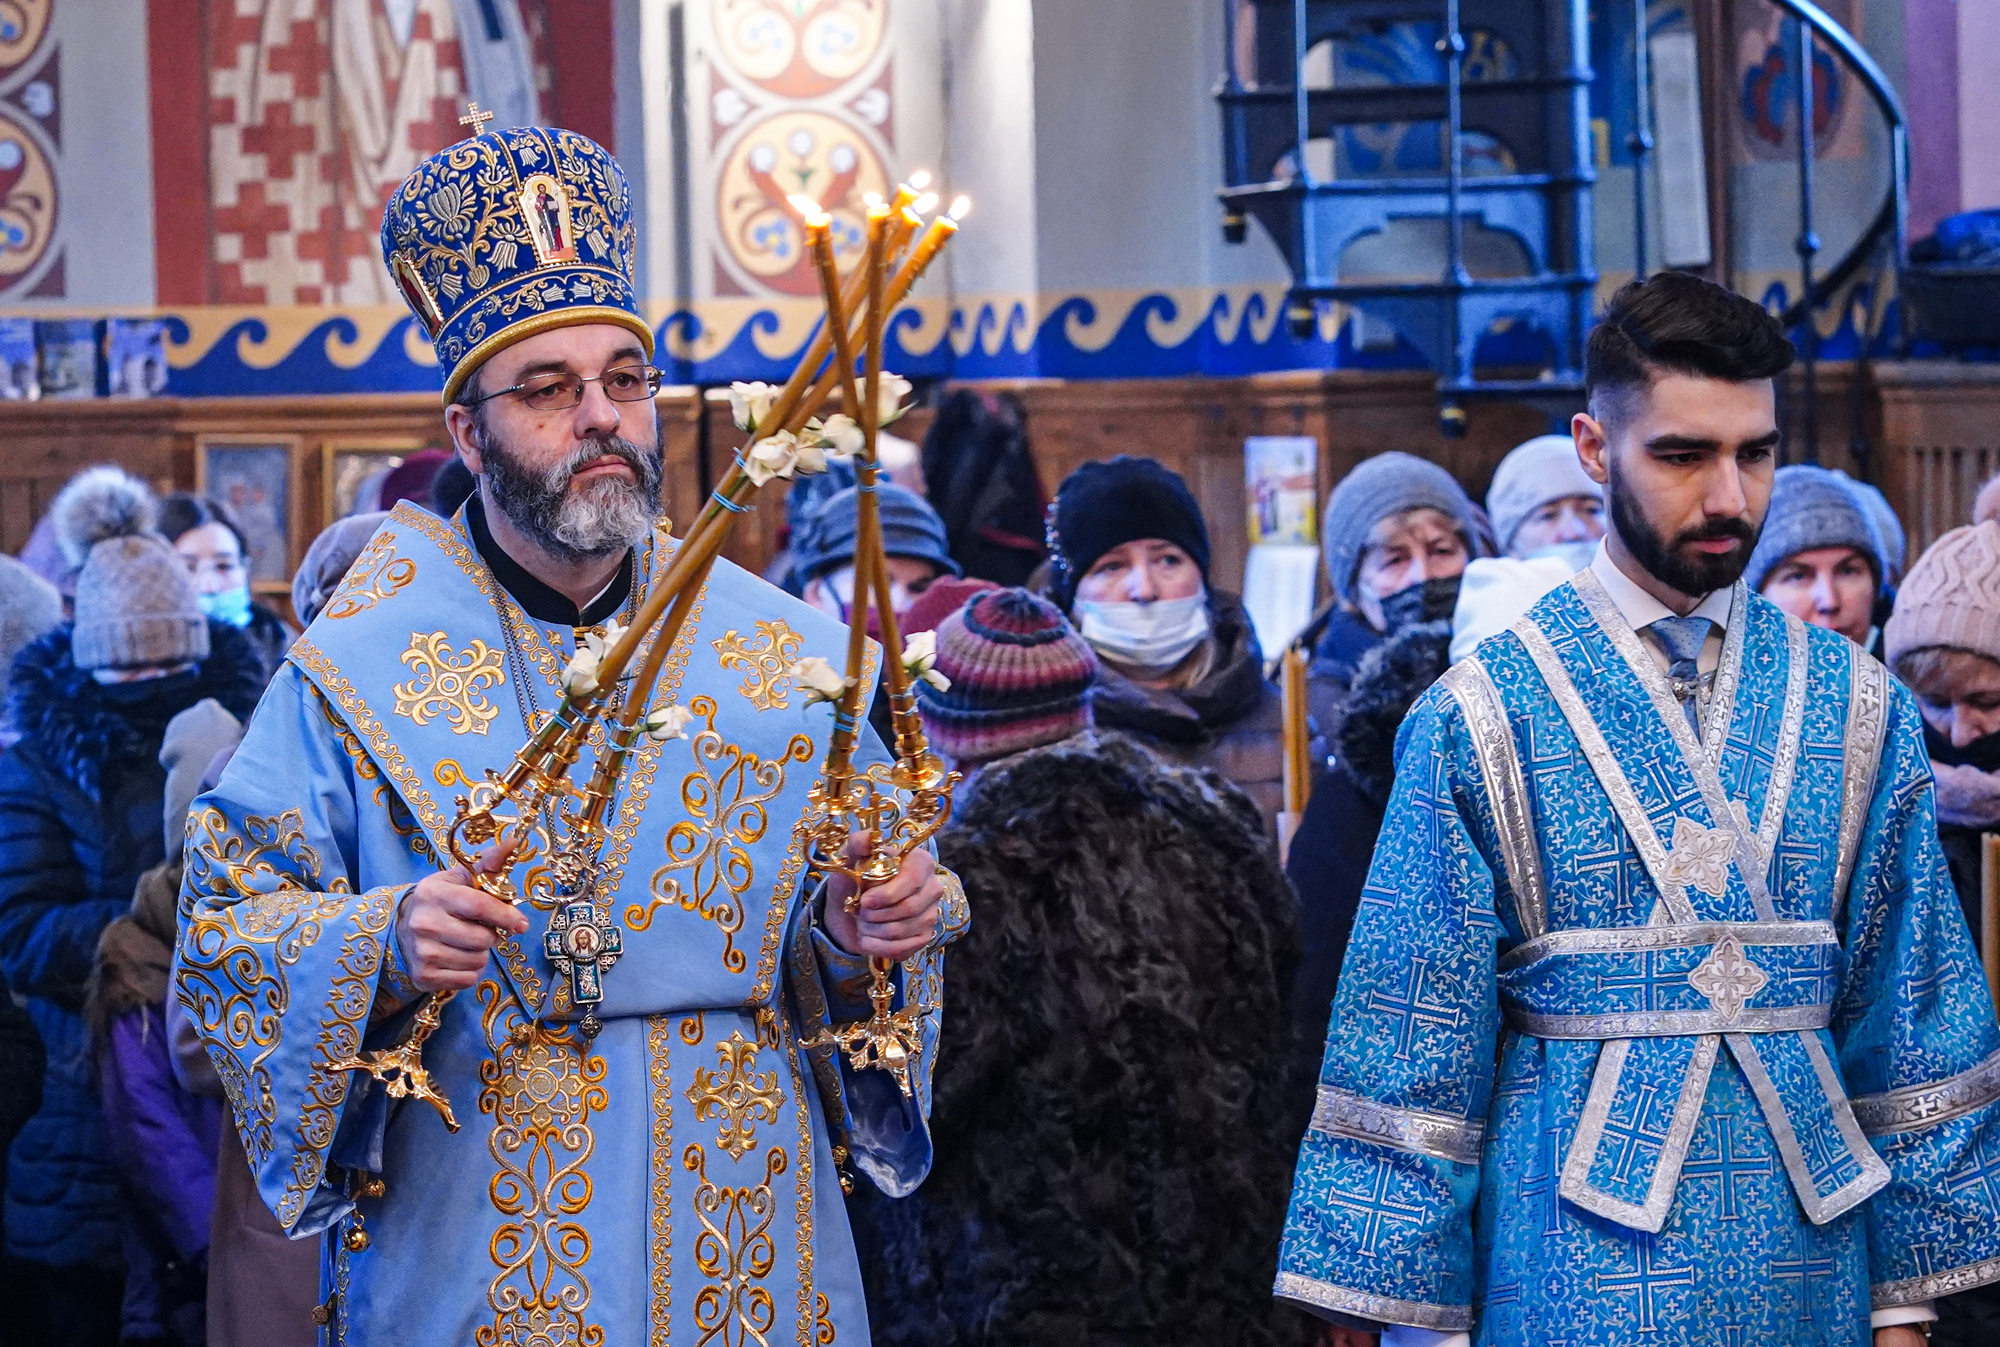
(79, 726)
(1388, 682)
(1112, 1123)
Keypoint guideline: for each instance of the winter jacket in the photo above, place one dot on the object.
(271, 636)
(1335, 841)
(80, 811)
(1229, 720)
(1339, 651)
(1113, 1150)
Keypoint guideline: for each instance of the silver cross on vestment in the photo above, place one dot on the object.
(1728, 978)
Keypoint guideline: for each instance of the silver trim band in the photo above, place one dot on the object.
(1668, 1023)
(1363, 1305)
(1888, 1295)
(1791, 734)
(1867, 729)
(1576, 1186)
(1638, 939)
(1506, 789)
(1819, 1207)
(1443, 1136)
(1749, 862)
(1916, 1107)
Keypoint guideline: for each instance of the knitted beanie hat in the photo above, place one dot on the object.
(1020, 678)
(1812, 508)
(1951, 597)
(1105, 505)
(135, 605)
(1534, 473)
(1385, 485)
(945, 597)
(29, 606)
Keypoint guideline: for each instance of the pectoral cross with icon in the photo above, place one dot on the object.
(581, 946)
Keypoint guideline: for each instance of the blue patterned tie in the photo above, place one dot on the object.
(1683, 638)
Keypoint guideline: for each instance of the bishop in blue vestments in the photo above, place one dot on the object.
(1660, 1022)
(651, 1149)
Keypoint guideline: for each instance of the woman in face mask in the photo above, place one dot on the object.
(1180, 667)
(218, 561)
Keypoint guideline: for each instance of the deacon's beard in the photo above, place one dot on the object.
(601, 518)
(1690, 573)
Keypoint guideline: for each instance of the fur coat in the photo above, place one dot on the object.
(1113, 1142)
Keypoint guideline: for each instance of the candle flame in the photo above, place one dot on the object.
(959, 208)
(808, 208)
(920, 180)
(925, 204)
(873, 200)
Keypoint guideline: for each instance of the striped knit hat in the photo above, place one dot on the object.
(1020, 678)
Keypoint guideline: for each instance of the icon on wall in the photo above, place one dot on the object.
(256, 477)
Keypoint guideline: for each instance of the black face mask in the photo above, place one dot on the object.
(1982, 754)
(1430, 601)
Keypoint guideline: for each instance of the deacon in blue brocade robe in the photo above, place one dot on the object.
(674, 1179)
(1640, 1040)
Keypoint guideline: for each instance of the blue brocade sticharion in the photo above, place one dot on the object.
(673, 1179)
(1640, 1040)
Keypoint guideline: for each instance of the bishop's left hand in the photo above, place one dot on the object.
(895, 919)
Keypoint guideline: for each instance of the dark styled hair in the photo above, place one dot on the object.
(1675, 323)
(183, 511)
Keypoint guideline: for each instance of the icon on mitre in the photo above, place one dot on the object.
(546, 207)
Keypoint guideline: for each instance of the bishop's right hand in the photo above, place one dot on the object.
(447, 927)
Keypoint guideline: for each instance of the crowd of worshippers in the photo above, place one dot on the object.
(1137, 1014)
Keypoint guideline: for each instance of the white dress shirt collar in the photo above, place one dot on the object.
(1641, 609)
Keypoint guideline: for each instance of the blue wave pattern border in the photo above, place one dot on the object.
(1106, 335)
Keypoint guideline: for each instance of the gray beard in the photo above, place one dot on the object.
(587, 523)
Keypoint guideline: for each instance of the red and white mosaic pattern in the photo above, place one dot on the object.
(318, 109)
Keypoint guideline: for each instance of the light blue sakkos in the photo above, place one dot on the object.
(673, 1179)
(1644, 1041)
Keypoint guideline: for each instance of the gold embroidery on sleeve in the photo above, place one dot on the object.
(658, 1040)
(450, 685)
(739, 1096)
(766, 661)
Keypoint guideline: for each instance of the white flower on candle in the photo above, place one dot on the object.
(580, 674)
(890, 391)
(668, 722)
(920, 659)
(750, 403)
(773, 456)
(838, 435)
(820, 680)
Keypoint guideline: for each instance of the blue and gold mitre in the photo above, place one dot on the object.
(508, 234)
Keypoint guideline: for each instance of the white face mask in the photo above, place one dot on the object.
(1156, 635)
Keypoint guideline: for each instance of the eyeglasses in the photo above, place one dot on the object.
(560, 392)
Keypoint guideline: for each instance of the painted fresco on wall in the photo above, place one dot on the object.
(318, 111)
(31, 258)
(1766, 47)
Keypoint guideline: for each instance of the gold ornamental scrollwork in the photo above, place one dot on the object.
(709, 867)
(450, 685)
(542, 1091)
(767, 661)
(377, 574)
(740, 1096)
(735, 1252)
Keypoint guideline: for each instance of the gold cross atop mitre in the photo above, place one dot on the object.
(475, 119)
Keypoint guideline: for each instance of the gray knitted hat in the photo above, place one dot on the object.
(1895, 547)
(1812, 507)
(1534, 473)
(29, 606)
(135, 606)
(1388, 484)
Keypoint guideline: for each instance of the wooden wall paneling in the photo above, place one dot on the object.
(1940, 437)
